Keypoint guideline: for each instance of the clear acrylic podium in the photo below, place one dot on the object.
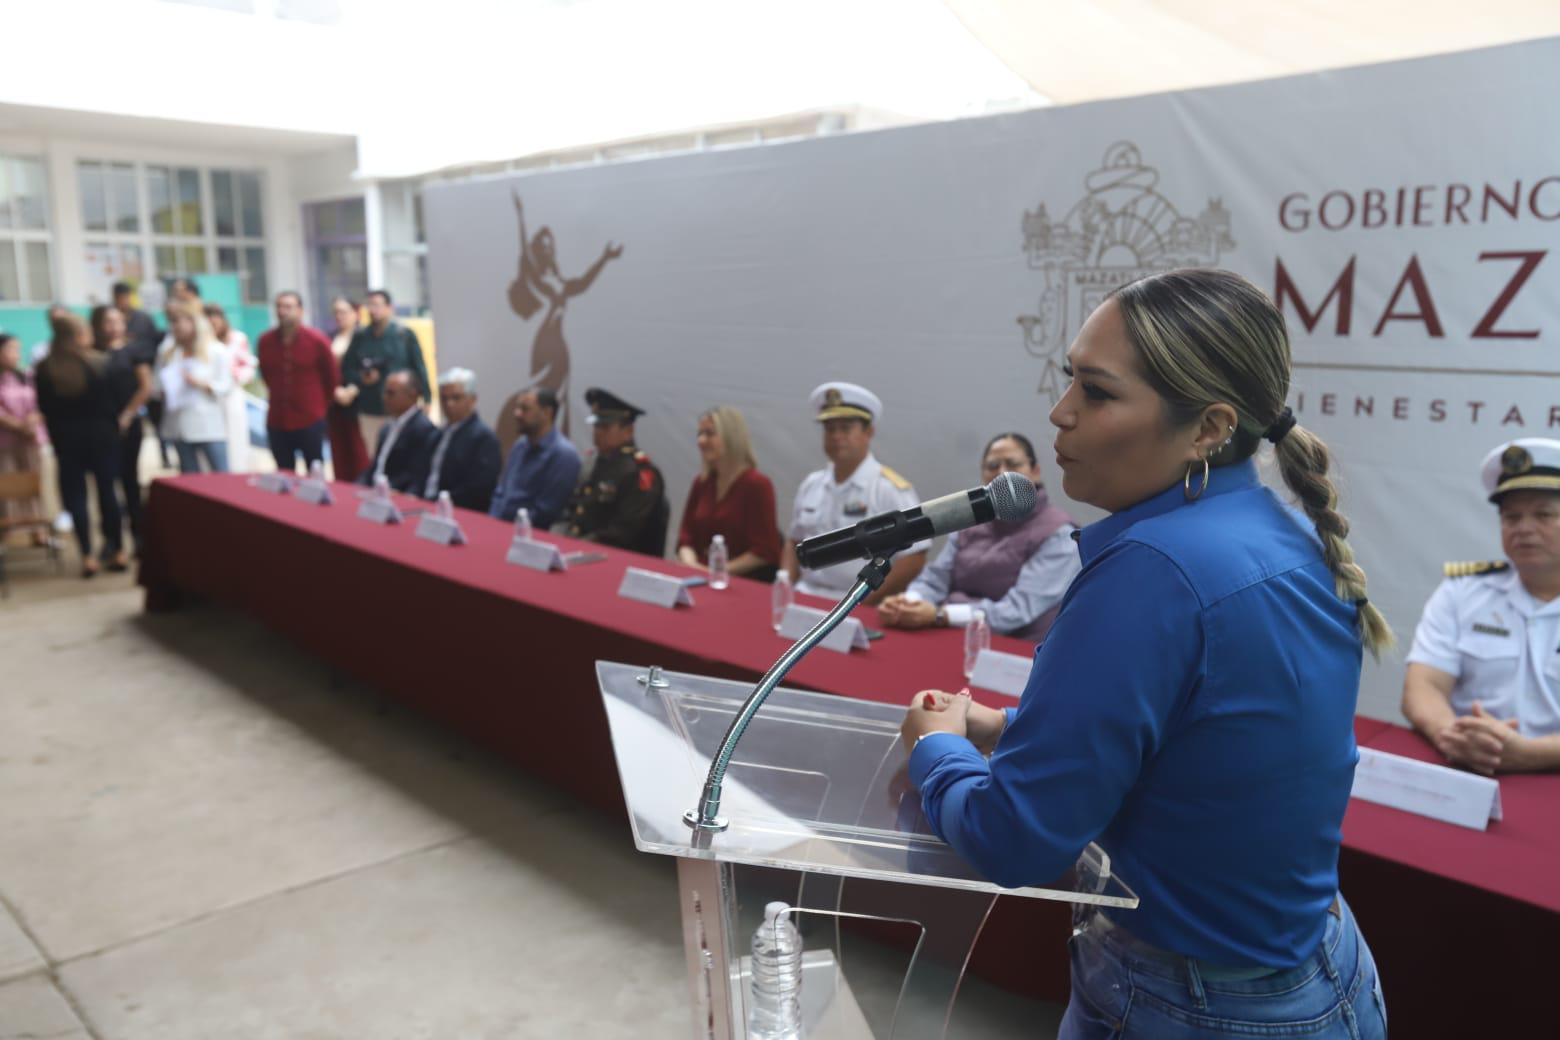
(822, 816)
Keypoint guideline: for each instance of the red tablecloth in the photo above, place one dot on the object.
(505, 654)
(1518, 856)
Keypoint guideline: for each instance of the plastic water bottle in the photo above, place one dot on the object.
(523, 524)
(977, 637)
(382, 488)
(720, 573)
(776, 1013)
(780, 596)
(317, 470)
(445, 510)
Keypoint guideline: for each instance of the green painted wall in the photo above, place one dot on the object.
(31, 323)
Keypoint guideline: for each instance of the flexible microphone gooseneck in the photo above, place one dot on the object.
(1010, 497)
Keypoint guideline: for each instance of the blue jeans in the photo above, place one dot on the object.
(190, 451)
(1124, 989)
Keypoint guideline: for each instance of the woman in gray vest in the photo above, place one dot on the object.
(1016, 572)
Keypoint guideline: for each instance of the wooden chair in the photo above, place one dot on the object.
(25, 487)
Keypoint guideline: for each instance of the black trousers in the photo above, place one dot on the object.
(154, 415)
(287, 445)
(98, 456)
(130, 475)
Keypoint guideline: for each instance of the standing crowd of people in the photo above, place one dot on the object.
(93, 385)
(362, 390)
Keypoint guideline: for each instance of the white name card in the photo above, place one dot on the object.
(539, 556)
(663, 590)
(315, 491)
(379, 511)
(799, 620)
(275, 483)
(438, 529)
(1439, 792)
(1004, 673)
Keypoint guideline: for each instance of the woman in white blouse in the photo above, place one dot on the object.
(195, 372)
(243, 359)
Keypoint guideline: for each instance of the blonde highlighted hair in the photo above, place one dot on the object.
(736, 444)
(1206, 337)
(204, 334)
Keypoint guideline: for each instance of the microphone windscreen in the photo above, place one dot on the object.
(1012, 496)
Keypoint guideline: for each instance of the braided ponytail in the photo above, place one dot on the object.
(1206, 337)
(1303, 463)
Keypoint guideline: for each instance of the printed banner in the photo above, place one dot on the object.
(1402, 215)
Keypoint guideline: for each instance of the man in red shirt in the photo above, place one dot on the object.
(301, 373)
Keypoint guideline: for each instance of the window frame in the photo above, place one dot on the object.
(17, 239)
(207, 240)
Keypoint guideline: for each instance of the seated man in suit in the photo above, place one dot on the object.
(405, 445)
(465, 455)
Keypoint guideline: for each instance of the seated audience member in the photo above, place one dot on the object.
(1016, 572)
(543, 465)
(854, 486)
(465, 455)
(405, 445)
(622, 500)
(731, 498)
(1483, 679)
(200, 370)
(22, 431)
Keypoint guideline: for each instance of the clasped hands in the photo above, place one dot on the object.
(901, 612)
(933, 711)
(1482, 742)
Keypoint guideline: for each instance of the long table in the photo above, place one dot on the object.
(1465, 924)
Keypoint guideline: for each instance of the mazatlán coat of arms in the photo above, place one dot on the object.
(1120, 231)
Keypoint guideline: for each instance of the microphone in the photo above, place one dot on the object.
(1010, 497)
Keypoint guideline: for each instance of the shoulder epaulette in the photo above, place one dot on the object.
(1471, 568)
(895, 479)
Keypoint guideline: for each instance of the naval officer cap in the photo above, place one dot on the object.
(607, 407)
(1528, 464)
(846, 401)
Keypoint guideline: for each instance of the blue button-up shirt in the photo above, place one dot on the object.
(1191, 710)
(539, 477)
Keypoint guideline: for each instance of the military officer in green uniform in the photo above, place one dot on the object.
(622, 499)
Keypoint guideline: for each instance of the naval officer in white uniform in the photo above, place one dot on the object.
(854, 486)
(1483, 680)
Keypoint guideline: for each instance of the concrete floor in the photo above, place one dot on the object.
(203, 834)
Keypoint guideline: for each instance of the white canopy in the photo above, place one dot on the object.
(1084, 50)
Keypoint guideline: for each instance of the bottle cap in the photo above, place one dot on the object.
(720, 539)
(774, 910)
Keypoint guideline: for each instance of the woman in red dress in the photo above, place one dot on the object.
(730, 498)
(348, 453)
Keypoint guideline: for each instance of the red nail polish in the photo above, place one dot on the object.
(964, 692)
(929, 702)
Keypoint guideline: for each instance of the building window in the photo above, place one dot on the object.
(183, 219)
(26, 246)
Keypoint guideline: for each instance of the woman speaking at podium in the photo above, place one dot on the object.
(1192, 707)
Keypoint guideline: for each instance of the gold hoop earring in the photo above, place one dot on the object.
(1186, 483)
